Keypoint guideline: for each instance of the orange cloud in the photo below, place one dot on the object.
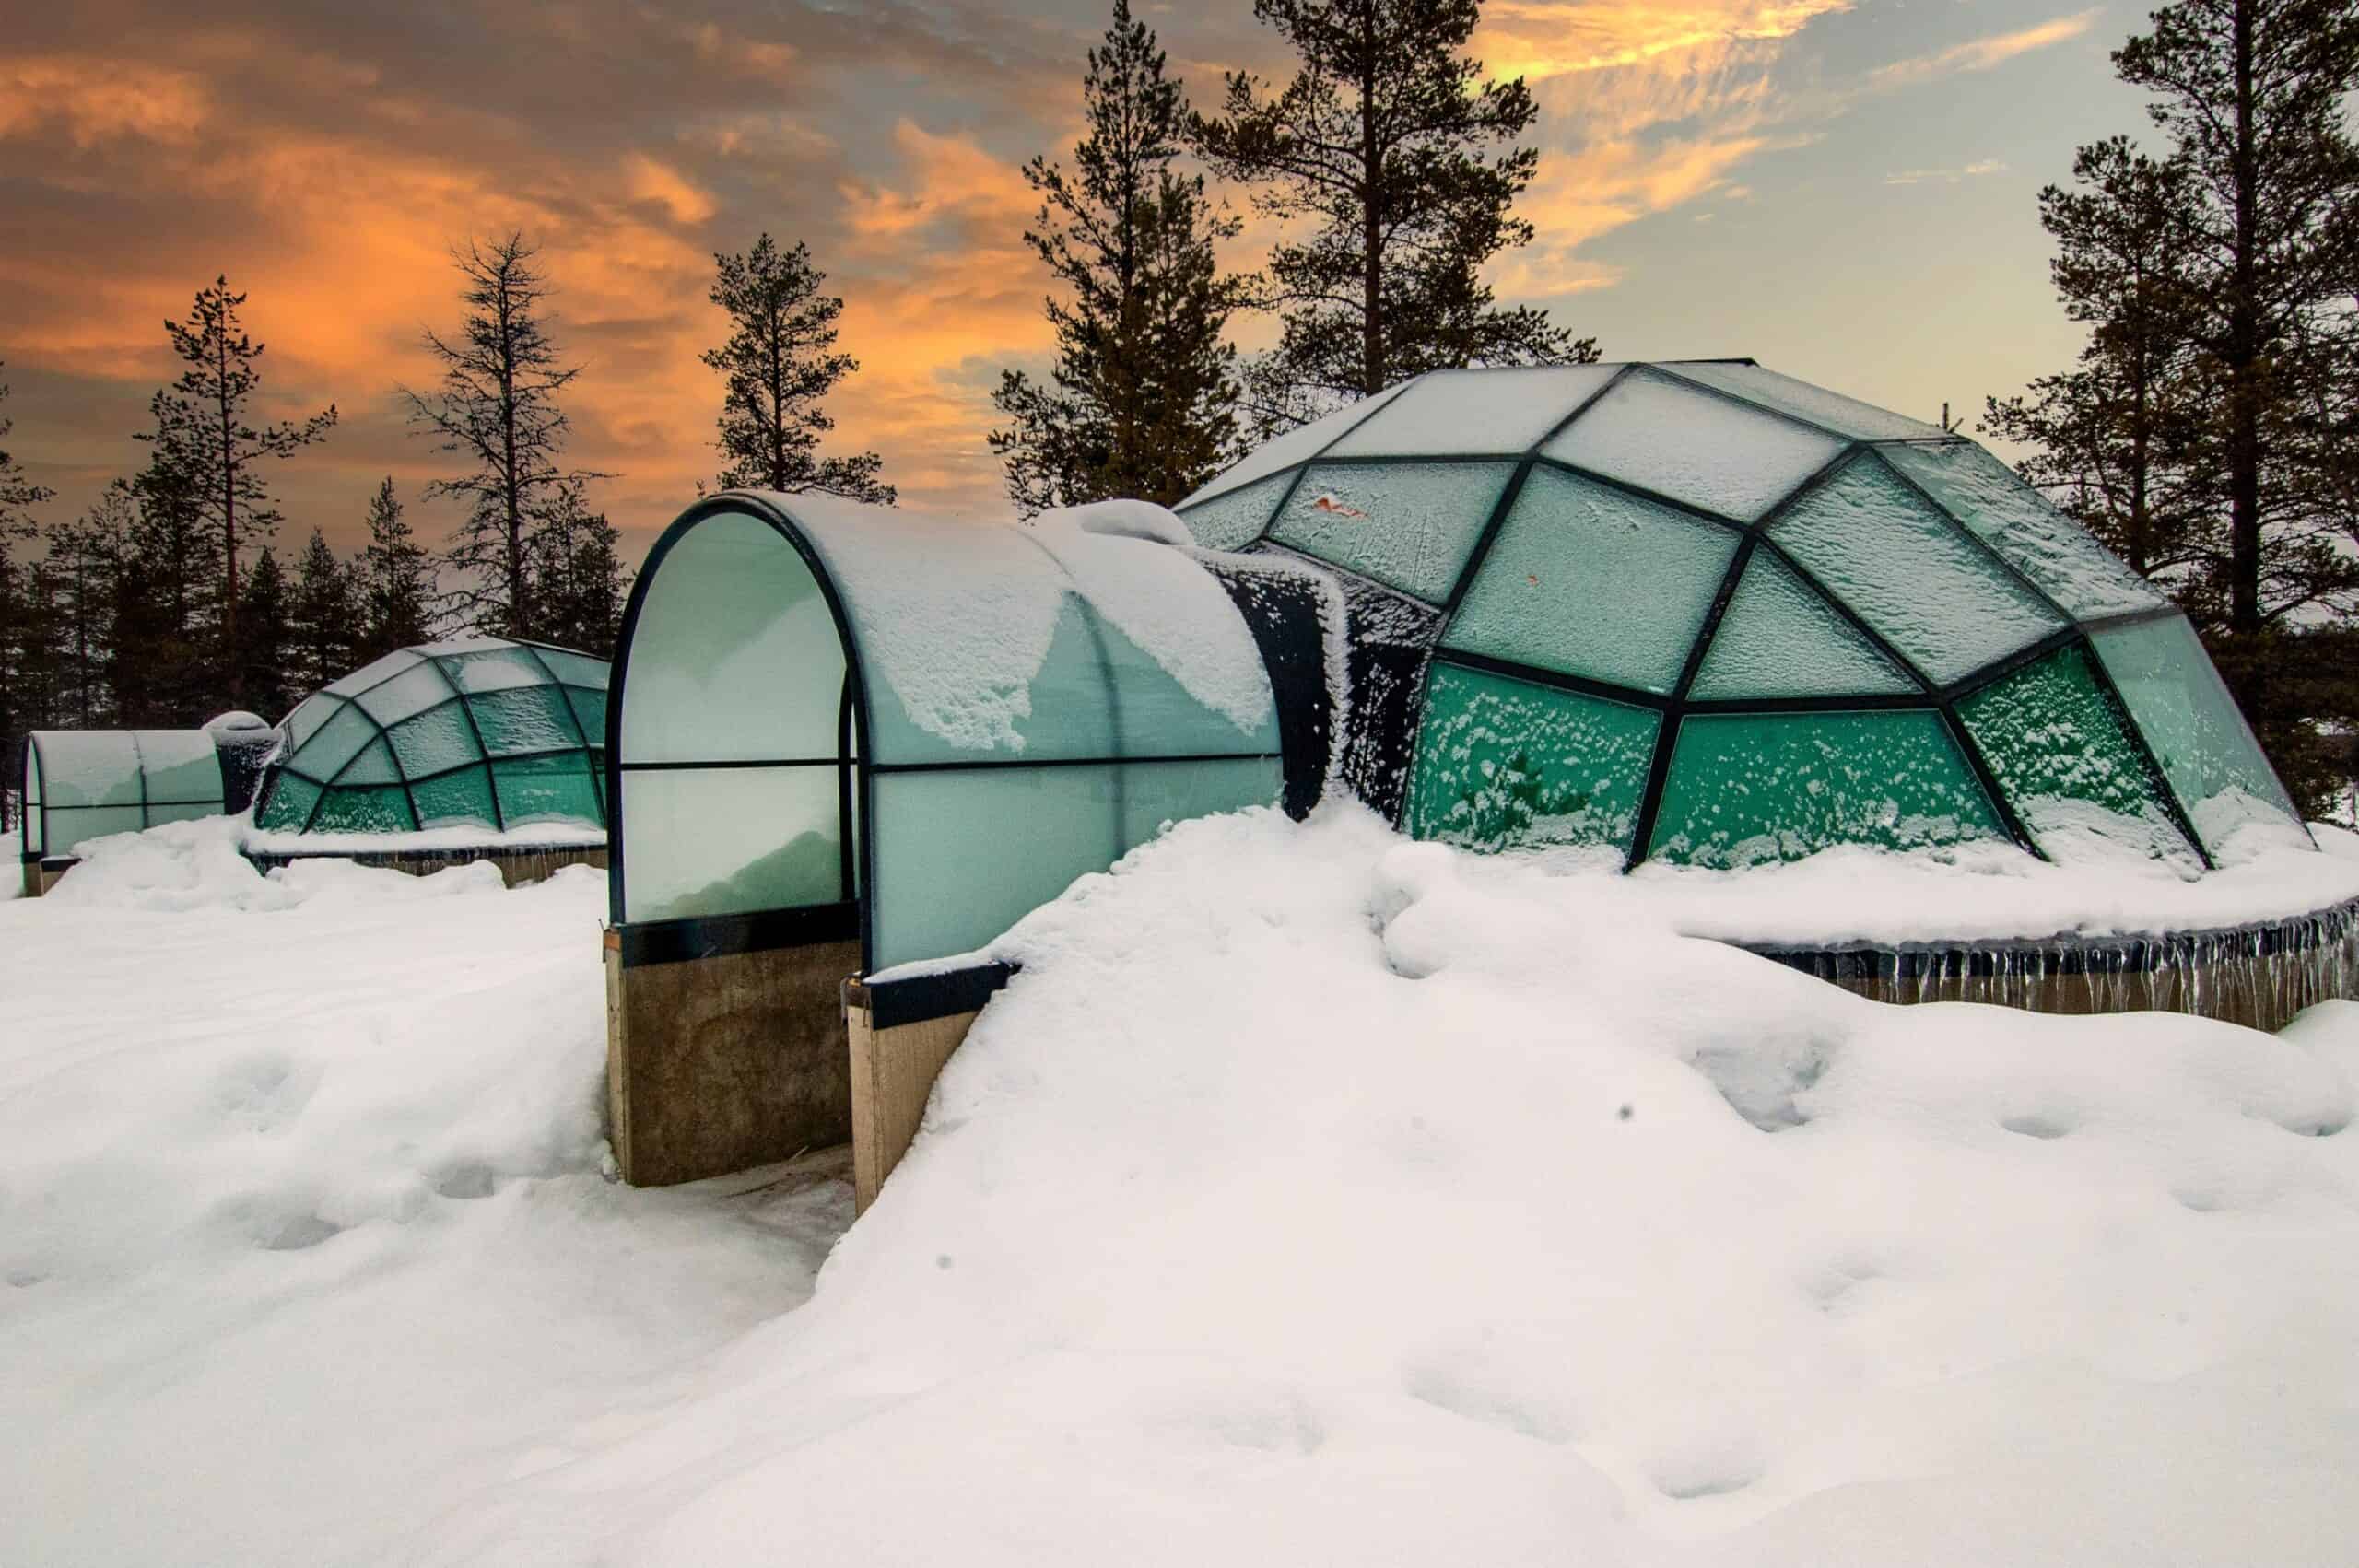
(99, 100)
(1537, 39)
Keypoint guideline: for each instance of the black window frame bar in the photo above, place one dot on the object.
(1941, 698)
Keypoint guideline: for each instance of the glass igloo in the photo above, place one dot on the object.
(475, 732)
(1705, 612)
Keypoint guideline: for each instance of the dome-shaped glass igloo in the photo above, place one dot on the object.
(1706, 613)
(472, 732)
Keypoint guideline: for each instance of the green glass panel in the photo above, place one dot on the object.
(1154, 714)
(438, 739)
(180, 766)
(2064, 762)
(455, 800)
(370, 809)
(1694, 445)
(1297, 445)
(2018, 523)
(1454, 413)
(590, 712)
(90, 767)
(336, 742)
(372, 765)
(288, 803)
(188, 812)
(546, 788)
(419, 687)
(734, 655)
(730, 841)
(1227, 523)
(1154, 793)
(524, 719)
(2182, 707)
(1502, 763)
(493, 669)
(1589, 580)
(573, 669)
(69, 827)
(1777, 637)
(312, 713)
(372, 673)
(1910, 572)
(1409, 526)
(1831, 411)
(1069, 715)
(1750, 788)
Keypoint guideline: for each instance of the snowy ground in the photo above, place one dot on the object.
(1309, 1197)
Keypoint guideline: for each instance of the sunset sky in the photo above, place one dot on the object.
(1844, 192)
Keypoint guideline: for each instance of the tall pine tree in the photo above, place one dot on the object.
(20, 648)
(578, 574)
(266, 638)
(1393, 163)
(497, 410)
(166, 665)
(204, 431)
(1144, 401)
(396, 579)
(779, 362)
(322, 619)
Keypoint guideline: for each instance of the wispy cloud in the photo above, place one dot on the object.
(1944, 176)
(1982, 54)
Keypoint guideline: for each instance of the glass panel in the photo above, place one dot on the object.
(524, 719)
(1238, 518)
(1154, 714)
(435, 740)
(1655, 433)
(455, 800)
(181, 766)
(337, 741)
(1750, 788)
(412, 691)
(1471, 412)
(1777, 637)
(371, 674)
(1156, 793)
(89, 768)
(312, 713)
(160, 815)
(372, 765)
(1927, 589)
(1408, 526)
(2061, 755)
(734, 654)
(379, 808)
(1592, 582)
(546, 788)
(731, 840)
(2017, 522)
(286, 803)
(2194, 727)
(1503, 763)
(1844, 415)
(493, 669)
(1297, 445)
(69, 827)
(574, 669)
(590, 712)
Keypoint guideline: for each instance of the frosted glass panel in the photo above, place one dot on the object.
(412, 691)
(1844, 415)
(337, 743)
(494, 669)
(371, 674)
(1155, 716)
(98, 768)
(289, 803)
(1409, 527)
(70, 826)
(1746, 789)
(729, 841)
(312, 713)
(1652, 432)
(2016, 521)
(376, 809)
(1156, 793)
(1502, 763)
(573, 669)
(160, 815)
(1590, 581)
(1910, 573)
(455, 800)
(438, 739)
(546, 788)
(182, 765)
(734, 654)
(526, 718)
(1298, 445)
(1237, 519)
(1779, 639)
(1457, 412)
(373, 763)
(590, 713)
(2197, 733)
(963, 855)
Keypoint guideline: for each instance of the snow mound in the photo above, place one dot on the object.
(190, 866)
(1314, 1197)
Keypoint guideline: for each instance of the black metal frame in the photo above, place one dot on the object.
(1753, 537)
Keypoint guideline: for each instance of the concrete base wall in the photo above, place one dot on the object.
(717, 1064)
(892, 1076)
(41, 876)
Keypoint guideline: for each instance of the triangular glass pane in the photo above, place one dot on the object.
(1237, 519)
(1779, 639)
(372, 765)
(1475, 413)
(1297, 445)
(1503, 763)
(1831, 411)
(1409, 526)
(1689, 445)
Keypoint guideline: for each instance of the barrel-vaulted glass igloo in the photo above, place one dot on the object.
(475, 732)
(1706, 613)
(83, 784)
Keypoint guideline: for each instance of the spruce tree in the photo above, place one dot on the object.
(21, 649)
(204, 429)
(19, 495)
(579, 578)
(397, 579)
(83, 560)
(497, 409)
(1143, 400)
(168, 642)
(322, 619)
(1393, 166)
(266, 638)
(779, 362)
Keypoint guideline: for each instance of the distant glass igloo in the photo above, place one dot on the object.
(474, 732)
(1706, 613)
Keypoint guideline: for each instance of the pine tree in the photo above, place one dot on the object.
(266, 637)
(19, 495)
(20, 650)
(397, 579)
(1144, 401)
(497, 409)
(83, 561)
(203, 430)
(579, 576)
(168, 641)
(1392, 163)
(322, 619)
(779, 362)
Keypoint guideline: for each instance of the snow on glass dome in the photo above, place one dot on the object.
(1705, 612)
(472, 732)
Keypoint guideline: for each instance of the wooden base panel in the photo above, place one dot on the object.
(893, 1072)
